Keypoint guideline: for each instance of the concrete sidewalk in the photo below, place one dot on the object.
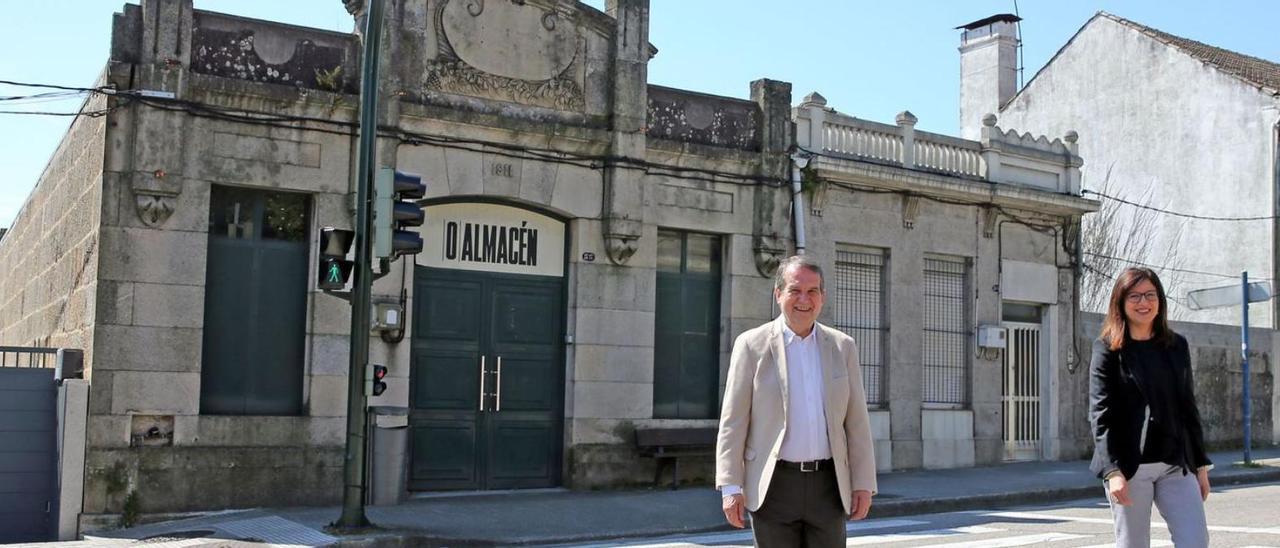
(560, 516)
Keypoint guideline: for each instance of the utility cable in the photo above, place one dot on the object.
(1177, 213)
(1172, 269)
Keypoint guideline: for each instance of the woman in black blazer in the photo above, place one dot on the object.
(1148, 441)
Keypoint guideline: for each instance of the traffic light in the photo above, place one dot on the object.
(334, 269)
(394, 211)
(374, 385)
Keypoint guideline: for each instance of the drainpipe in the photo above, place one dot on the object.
(798, 163)
(1275, 222)
(1077, 272)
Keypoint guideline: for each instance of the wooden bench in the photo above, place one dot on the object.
(669, 444)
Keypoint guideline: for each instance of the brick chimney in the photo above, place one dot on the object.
(988, 69)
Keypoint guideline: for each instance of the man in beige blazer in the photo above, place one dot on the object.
(795, 446)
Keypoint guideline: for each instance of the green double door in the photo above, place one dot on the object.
(487, 380)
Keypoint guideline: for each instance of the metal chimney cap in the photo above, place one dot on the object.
(999, 18)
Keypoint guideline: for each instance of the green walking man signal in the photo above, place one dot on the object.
(335, 274)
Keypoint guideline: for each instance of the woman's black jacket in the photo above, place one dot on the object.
(1118, 409)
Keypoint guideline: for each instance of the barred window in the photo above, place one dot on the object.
(860, 296)
(946, 331)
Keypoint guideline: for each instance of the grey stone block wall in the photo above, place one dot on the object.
(49, 258)
(167, 479)
(1216, 366)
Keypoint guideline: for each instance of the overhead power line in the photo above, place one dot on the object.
(1177, 213)
(1235, 276)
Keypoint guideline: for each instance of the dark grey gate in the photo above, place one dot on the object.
(28, 447)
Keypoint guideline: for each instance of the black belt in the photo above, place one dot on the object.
(806, 466)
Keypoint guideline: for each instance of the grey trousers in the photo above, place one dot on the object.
(801, 510)
(1176, 495)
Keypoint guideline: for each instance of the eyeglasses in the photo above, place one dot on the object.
(1150, 296)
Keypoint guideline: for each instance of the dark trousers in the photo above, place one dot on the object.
(800, 509)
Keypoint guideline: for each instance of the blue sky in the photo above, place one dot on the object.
(870, 59)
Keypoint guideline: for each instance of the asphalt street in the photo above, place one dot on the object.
(1241, 516)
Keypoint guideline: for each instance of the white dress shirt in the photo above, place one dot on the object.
(805, 434)
(805, 437)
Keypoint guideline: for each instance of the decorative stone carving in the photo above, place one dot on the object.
(910, 210)
(989, 216)
(621, 239)
(457, 77)
(353, 6)
(509, 50)
(769, 251)
(153, 209)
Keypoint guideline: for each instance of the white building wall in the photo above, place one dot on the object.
(1165, 129)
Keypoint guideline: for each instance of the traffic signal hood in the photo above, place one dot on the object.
(395, 211)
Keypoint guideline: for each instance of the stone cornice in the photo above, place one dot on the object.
(893, 178)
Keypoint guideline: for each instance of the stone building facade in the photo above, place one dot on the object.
(593, 246)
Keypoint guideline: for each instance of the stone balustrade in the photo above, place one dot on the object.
(1000, 156)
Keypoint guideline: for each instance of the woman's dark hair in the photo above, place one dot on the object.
(1115, 327)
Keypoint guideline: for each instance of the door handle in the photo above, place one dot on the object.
(498, 393)
(482, 373)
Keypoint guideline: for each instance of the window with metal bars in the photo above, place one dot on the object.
(946, 332)
(860, 297)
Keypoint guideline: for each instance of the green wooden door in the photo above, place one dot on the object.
(255, 307)
(487, 380)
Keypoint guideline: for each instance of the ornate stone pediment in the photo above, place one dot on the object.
(511, 50)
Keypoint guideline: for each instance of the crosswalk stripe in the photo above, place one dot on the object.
(1055, 517)
(1022, 540)
(740, 536)
(867, 525)
(1155, 543)
(1043, 517)
(920, 535)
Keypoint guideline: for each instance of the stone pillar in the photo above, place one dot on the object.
(907, 125)
(159, 136)
(815, 105)
(904, 386)
(623, 211)
(990, 138)
(769, 226)
(988, 69)
(1073, 162)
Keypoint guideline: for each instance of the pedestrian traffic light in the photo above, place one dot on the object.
(374, 385)
(395, 209)
(334, 269)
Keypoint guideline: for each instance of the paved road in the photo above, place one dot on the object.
(1246, 516)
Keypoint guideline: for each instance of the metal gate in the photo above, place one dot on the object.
(1020, 391)
(28, 447)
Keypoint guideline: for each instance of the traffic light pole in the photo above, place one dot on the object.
(353, 465)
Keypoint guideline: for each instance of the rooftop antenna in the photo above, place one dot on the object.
(1021, 65)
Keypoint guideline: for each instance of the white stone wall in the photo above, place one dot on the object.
(1152, 119)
